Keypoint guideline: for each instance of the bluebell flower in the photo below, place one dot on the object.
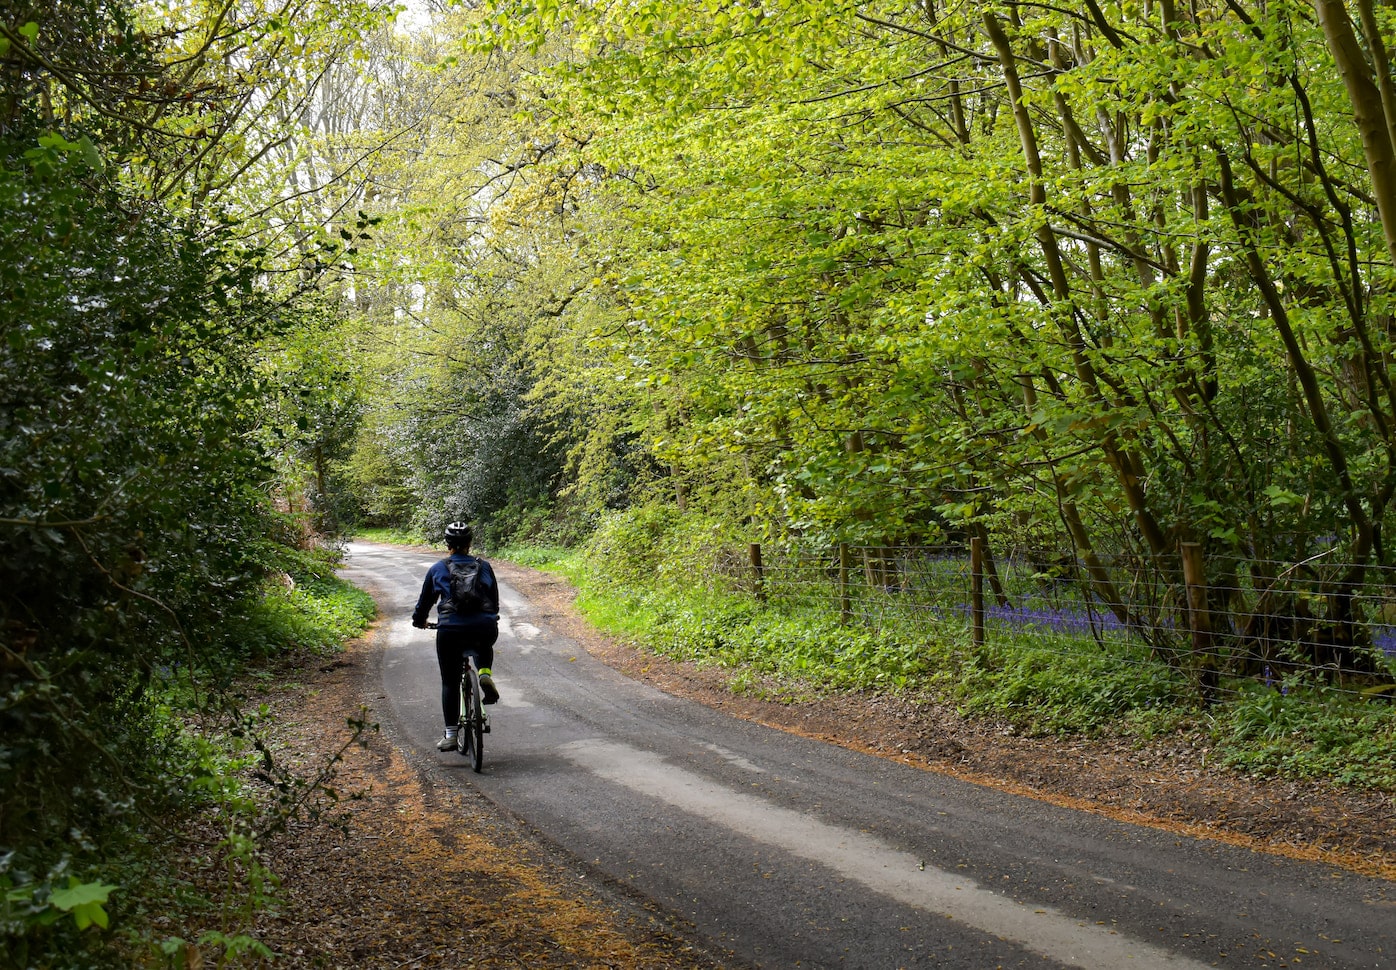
(1384, 639)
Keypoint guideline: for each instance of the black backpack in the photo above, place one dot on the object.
(468, 592)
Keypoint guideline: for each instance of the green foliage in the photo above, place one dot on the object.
(1306, 731)
(553, 558)
(1059, 688)
(1035, 681)
(629, 547)
(731, 631)
(48, 913)
(875, 274)
(1148, 724)
(53, 915)
(378, 475)
(84, 900)
(487, 399)
(217, 779)
(310, 612)
(655, 545)
(397, 537)
(126, 485)
(42, 906)
(1029, 679)
(311, 406)
(145, 386)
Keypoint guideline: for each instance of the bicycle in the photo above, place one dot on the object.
(474, 723)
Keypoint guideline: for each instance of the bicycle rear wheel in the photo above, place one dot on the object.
(470, 740)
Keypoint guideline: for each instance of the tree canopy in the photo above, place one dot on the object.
(1112, 277)
(1093, 280)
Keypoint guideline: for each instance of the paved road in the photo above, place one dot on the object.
(788, 852)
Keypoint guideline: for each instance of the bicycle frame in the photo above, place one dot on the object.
(474, 723)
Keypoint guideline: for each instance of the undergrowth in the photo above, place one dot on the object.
(1308, 731)
(387, 536)
(308, 609)
(184, 754)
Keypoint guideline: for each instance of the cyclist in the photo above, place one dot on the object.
(458, 633)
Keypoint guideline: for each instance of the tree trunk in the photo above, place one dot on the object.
(1368, 108)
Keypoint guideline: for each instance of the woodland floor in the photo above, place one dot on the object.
(427, 874)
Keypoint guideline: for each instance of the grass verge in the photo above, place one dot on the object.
(391, 537)
(1034, 681)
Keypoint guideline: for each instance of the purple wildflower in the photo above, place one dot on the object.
(1384, 639)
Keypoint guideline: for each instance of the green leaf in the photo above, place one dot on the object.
(1282, 497)
(84, 900)
(80, 894)
(90, 153)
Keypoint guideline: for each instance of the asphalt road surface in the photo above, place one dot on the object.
(789, 852)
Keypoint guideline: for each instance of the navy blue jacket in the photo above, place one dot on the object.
(437, 587)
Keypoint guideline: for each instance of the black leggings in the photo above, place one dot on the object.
(452, 645)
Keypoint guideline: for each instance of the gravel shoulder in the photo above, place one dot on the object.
(422, 873)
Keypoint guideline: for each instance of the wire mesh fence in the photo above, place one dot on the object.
(1218, 625)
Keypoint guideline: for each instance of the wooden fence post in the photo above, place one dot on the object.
(976, 584)
(845, 600)
(757, 570)
(1199, 620)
